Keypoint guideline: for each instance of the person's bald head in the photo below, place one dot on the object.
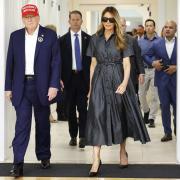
(123, 24)
(173, 23)
(170, 29)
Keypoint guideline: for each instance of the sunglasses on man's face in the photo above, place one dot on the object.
(106, 19)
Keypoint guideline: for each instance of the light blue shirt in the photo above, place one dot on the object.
(146, 46)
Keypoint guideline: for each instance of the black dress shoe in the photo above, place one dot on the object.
(73, 142)
(166, 137)
(82, 143)
(93, 174)
(122, 166)
(45, 163)
(151, 123)
(17, 170)
(146, 117)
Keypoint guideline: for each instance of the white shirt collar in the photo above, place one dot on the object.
(172, 40)
(72, 32)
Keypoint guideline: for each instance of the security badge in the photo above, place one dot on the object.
(40, 39)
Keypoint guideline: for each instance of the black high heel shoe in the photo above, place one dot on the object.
(122, 166)
(93, 174)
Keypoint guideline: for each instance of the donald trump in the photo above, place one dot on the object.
(31, 83)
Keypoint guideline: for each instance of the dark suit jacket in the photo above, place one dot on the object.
(66, 56)
(159, 48)
(46, 64)
(137, 66)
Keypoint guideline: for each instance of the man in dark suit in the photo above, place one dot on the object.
(165, 76)
(140, 31)
(75, 76)
(137, 65)
(32, 81)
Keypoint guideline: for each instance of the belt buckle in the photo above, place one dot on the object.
(29, 77)
(75, 71)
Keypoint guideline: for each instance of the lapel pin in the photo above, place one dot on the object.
(40, 39)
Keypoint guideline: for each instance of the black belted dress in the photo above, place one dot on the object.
(111, 117)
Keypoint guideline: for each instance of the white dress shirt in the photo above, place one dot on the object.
(73, 50)
(30, 47)
(170, 46)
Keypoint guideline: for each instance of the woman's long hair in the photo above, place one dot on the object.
(119, 37)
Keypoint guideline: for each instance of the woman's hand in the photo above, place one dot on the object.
(89, 93)
(121, 88)
(126, 66)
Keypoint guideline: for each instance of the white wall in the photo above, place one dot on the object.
(12, 21)
(171, 9)
(49, 14)
(63, 17)
(2, 56)
(167, 10)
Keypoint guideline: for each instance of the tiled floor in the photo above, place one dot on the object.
(153, 152)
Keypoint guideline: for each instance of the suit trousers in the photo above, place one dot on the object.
(76, 96)
(61, 108)
(148, 85)
(23, 125)
(167, 96)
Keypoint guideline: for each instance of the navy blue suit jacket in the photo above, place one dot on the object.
(46, 64)
(159, 48)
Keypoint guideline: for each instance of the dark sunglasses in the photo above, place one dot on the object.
(105, 19)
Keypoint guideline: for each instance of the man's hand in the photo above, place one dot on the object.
(8, 95)
(52, 93)
(157, 65)
(141, 78)
(171, 69)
